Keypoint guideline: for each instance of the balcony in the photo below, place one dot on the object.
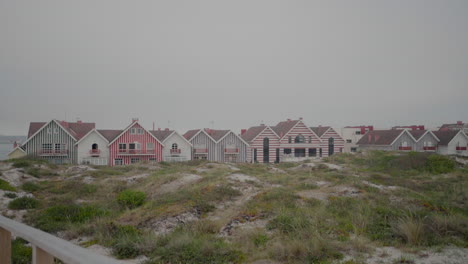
(95, 152)
(175, 152)
(129, 152)
(429, 148)
(231, 151)
(200, 151)
(405, 148)
(50, 152)
(460, 148)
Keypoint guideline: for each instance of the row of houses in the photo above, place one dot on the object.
(81, 143)
(291, 140)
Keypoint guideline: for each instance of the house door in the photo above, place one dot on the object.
(313, 152)
(331, 146)
(266, 150)
(255, 155)
(277, 155)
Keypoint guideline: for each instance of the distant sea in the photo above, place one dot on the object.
(5, 148)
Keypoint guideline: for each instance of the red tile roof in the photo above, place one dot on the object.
(110, 134)
(189, 134)
(34, 127)
(77, 130)
(379, 137)
(252, 132)
(161, 135)
(320, 130)
(445, 136)
(283, 127)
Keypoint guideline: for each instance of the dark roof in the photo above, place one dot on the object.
(456, 126)
(252, 132)
(34, 127)
(283, 127)
(417, 134)
(161, 135)
(445, 136)
(216, 134)
(189, 134)
(76, 129)
(110, 134)
(320, 130)
(380, 137)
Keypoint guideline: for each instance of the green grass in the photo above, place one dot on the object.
(20, 253)
(131, 199)
(4, 185)
(23, 203)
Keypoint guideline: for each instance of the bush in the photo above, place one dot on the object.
(131, 198)
(30, 187)
(411, 229)
(438, 164)
(20, 253)
(23, 203)
(54, 218)
(10, 195)
(4, 185)
(21, 163)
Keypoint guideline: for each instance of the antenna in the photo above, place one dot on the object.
(212, 124)
(168, 123)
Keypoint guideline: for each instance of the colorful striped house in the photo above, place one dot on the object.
(55, 140)
(134, 144)
(331, 141)
(217, 145)
(264, 144)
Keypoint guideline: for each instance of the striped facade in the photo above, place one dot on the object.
(256, 150)
(132, 137)
(204, 147)
(309, 148)
(231, 148)
(337, 142)
(52, 143)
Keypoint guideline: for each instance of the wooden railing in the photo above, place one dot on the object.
(45, 246)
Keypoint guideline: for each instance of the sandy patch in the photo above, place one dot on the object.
(135, 178)
(242, 178)
(325, 192)
(167, 224)
(16, 177)
(380, 187)
(174, 185)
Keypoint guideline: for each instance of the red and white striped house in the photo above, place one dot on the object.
(264, 144)
(134, 144)
(332, 142)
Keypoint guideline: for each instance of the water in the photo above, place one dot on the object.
(5, 148)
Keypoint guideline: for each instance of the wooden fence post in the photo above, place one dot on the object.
(41, 257)
(5, 246)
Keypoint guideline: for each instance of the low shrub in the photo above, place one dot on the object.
(10, 195)
(131, 199)
(4, 185)
(21, 163)
(30, 187)
(411, 229)
(54, 218)
(23, 203)
(20, 253)
(438, 164)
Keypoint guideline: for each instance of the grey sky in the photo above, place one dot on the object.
(233, 62)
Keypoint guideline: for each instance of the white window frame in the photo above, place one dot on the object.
(134, 160)
(140, 131)
(133, 131)
(118, 162)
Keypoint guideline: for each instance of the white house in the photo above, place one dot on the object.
(452, 142)
(93, 149)
(176, 147)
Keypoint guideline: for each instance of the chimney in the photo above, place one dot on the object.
(243, 131)
(459, 123)
(15, 144)
(135, 119)
(167, 129)
(300, 118)
(78, 121)
(289, 119)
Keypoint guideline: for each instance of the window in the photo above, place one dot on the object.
(287, 151)
(150, 146)
(289, 139)
(49, 130)
(358, 132)
(57, 148)
(140, 131)
(312, 152)
(174, 146)
(404, 144)
(266, 143)
(133, 131)
(353, 149)
(349, 141)
(299, 139)
(131, 146)
(134, 160)
(118, 162)
(152, 160)
(47, 148)
(122, 147)
(94, 146)
(56, 130)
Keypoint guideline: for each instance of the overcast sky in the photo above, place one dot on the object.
(234, 63)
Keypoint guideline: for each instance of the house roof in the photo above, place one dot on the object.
(75, 129)
(320, 130)
(380, 137)
(445, 136)
(252, 132)
(110, 134)
(457, 126)
(417, 134)
(161, 135)
(284, 127)
(191, 133)
(216, 134)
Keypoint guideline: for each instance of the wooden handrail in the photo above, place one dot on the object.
(46, 246)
